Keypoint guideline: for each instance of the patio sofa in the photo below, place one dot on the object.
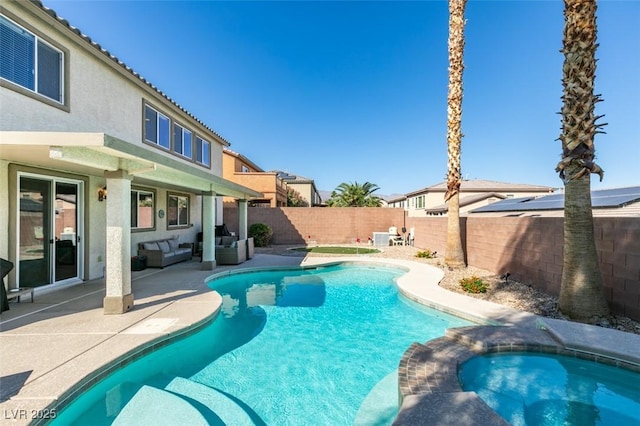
(164, 252)
(230, 250)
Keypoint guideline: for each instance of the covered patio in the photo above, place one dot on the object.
(106, 168)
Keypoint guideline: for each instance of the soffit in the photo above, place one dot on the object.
(95, 153)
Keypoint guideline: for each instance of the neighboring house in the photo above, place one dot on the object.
(467, 203)
(239, 169)
(94, 160)
(304, 186)
(605, 202)
(398, 202)
(473, 193)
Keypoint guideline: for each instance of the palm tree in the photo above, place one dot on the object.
(354, 195)
(581, 293)
(454, 256)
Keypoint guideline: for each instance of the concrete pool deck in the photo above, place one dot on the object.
(63, 339)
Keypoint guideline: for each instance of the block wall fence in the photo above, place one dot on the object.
(529, 248)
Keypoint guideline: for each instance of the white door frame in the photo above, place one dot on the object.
(52, 180)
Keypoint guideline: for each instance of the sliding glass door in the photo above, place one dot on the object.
(49, 230)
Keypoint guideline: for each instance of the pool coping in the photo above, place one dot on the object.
(428, 373)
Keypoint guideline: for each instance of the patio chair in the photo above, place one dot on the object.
(5, 267)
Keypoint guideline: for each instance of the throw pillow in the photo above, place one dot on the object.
(164, 246)
(151, 246)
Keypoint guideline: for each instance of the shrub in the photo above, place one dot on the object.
(426, 254)
(261, 234)
(474, 284)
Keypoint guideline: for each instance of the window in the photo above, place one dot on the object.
(420, 202)
(156, 127)
(182, 141)
(177, 211)
(30, 62)
(203, 154)
(142, 209)
(165, 132)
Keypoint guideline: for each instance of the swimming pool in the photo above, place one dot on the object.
(543, 389)
(289, 346)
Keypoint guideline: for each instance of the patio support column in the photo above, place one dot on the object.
(119, 298)
(242, 219)
(208, 231)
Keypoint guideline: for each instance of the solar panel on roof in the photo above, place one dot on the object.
(631, 190)
(603, 198)
(613, 201)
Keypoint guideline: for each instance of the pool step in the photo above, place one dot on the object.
(158, 407)
(380, 407)
(182, 401)
(228, 410)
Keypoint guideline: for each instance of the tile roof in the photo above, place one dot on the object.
(292, 178)
(242, 158)
(485, 186)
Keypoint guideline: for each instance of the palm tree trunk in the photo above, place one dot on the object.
(454, 256)
(581, 293)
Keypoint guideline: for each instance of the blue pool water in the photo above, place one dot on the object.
(539, 390)
(292, 347)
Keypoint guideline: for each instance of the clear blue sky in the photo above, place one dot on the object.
(357, 91)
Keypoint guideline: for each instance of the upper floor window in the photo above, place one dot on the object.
(203, 152)
(177, 211)
(165, 132)
(182, 141)
(156, 127)
(30, 62)
(142, 209)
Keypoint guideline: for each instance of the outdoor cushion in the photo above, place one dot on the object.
(173, 244)
(227, 240)
(164, 246)
(151, 246)
(218, 241)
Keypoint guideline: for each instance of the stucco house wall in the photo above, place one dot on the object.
(102, 97)
(95, 136)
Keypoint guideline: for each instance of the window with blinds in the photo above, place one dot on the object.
(29, 61)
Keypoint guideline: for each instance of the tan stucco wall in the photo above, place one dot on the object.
(304, 189)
